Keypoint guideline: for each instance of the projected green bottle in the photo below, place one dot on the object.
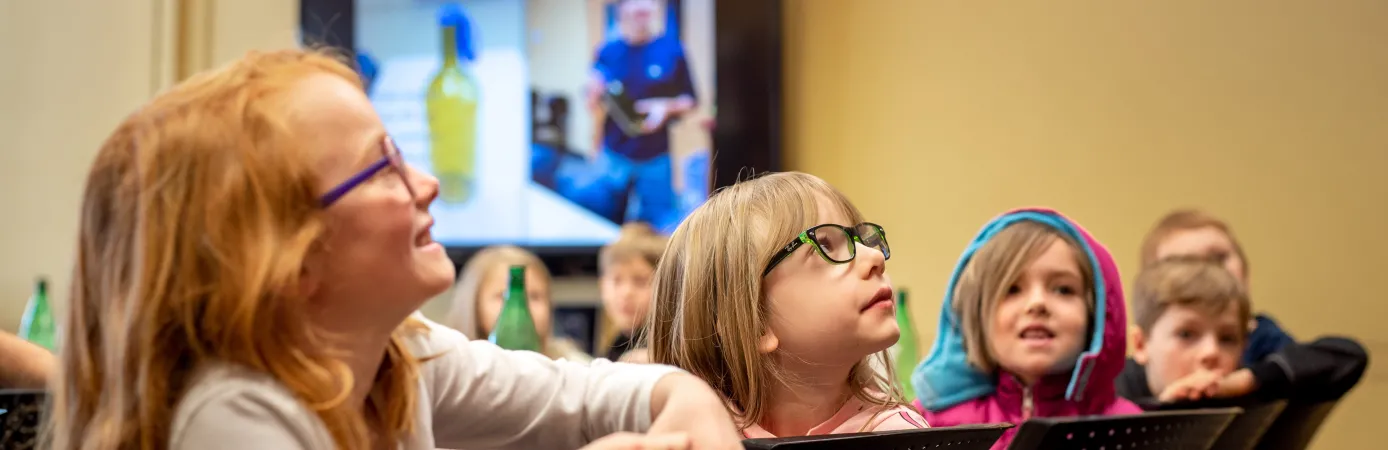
(515, 327)
(906, 353)
(451, 105)
(37, 323)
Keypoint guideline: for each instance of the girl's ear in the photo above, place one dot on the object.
(768, 342)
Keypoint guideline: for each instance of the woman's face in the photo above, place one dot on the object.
(377, 262)
(491, 294)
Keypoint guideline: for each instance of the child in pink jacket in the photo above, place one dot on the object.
(1033, 325)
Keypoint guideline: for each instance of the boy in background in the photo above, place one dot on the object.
(1195, 233)
(625, 269)
(1193, 324)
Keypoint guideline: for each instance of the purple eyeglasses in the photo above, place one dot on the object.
(390, 157)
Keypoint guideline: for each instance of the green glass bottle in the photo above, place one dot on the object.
(451, 107)
(37, 323)
(906, 353)
(515, 328)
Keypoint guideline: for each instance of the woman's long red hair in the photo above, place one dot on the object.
(197, 216)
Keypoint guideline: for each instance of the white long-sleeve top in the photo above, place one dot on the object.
(473, 395)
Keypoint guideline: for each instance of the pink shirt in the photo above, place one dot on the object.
(857, 417)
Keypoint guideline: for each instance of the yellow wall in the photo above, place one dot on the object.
(934, 116)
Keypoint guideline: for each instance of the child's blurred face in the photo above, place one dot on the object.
(1041, 324)
(825, 313)
(1185, 340)
(491, 295)
(626, 291)
(1207, 242)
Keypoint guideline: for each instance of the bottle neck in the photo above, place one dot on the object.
(515, 292)
(450, 46)
(516, 297)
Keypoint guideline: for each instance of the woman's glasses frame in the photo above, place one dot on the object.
(390, 157)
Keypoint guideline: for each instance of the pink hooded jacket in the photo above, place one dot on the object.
(951, 392)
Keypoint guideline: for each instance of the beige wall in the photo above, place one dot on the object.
(934, 116)
(241, 25)
(72, 69)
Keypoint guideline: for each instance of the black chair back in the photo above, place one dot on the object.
(21, 417)
(1245, 430)
(970, 437)
(1297, 424)
(1164, 430)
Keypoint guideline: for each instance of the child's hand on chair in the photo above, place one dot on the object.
(1208, 384)
(1198, 385)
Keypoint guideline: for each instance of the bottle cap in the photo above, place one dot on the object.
(453, 15)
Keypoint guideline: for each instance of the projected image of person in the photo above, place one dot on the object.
(640, 84)
(558, 121)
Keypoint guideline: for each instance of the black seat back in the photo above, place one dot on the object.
(22, 417)
(1163, 430)
(1245, 430)
(970, 437)
(1297, 424)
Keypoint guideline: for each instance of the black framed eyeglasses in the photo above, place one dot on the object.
(835, 243)
(390, 157)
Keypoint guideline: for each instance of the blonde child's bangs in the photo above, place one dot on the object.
(791, 205)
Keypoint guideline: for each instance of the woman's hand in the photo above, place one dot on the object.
(633, 441)
(682, 403)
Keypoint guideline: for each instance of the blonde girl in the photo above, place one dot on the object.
(481, 290)
(775, 291)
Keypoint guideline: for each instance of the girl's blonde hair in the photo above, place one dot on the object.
(463, 314)
(196, 219)
(991, 272)
(710, 306)
(637, 240)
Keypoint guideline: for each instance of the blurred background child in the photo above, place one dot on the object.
(481, 290)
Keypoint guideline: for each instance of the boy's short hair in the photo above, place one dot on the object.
(636, 240)
(1189, 281)
(1186, 219)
